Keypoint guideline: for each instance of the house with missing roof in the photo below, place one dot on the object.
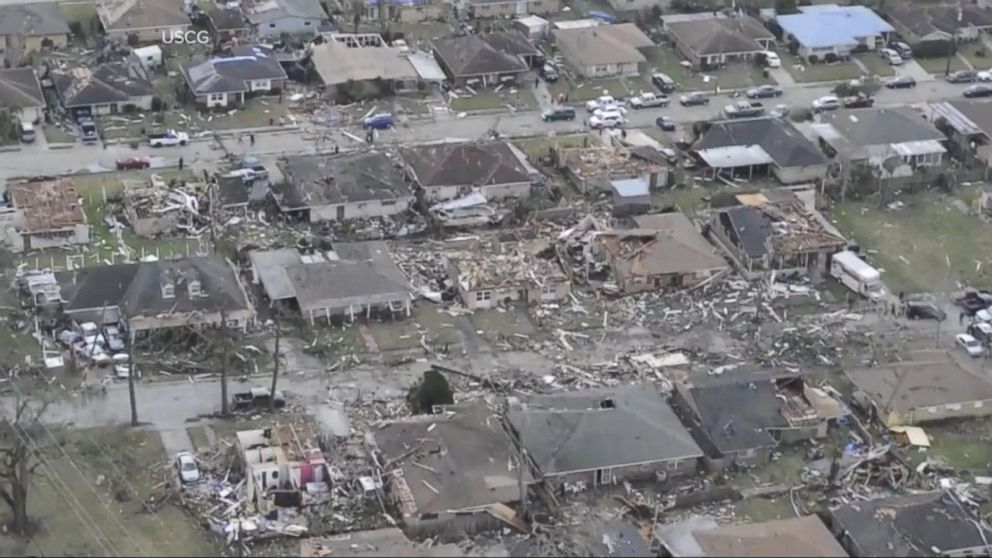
(715, 41)
(341, 187)
(147, 21)
(746, 147)
(449, 170)
(227, 24)
(492, 9)
(923, 524)
(405, 11)
(702, 536)
(603, 50)
(351, 280)
(967, 124)
(226, 81)
(112, 88)
(20, 91)
(602, 437)
(832, 29)
(490, 273)
(932, 29)
(31, 27)
(472, 60)
(42, 215)
(355, 66)
(273, 18)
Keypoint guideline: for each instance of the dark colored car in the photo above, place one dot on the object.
(256, 399)
(901, 82)
(764, 92)
(858, 101)
(665, 123)
(693, 99)
(382, 121)
(922, 310)
(558, 113)
(549, 73)
(132, 163)
(963, 76)
(664, 83)
(978, 90)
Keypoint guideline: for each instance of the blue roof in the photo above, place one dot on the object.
(829, 25)
(631, 187)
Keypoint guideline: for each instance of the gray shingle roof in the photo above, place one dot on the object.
(460, 164)
(316, 180)
(19, 87)
(278, 9)
(229, 74)
(778, 137)
(108, 83)
(721, 35)
(880, 126)
(471, 55)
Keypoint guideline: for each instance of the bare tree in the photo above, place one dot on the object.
(19, 458)
(275, 365)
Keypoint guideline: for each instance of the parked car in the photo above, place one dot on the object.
(649, 100)
(558, 113)
(969, 344)
(615, 107)
(168, 138)
(978, 90)
(115, 341)
(186, 467)
(962, 76)
(923, 310)
(664, 83)
(90, 333)
(123, 366)
(381, 121)
(780, 111)
(132, 163)
(744, 109)
(256, 398)
(670, 155)
(890, 56)
(549, 72)
(693, 99)
(608, 119)
(666, 123)
(971, 305)
(87, 130)
(981, 331)
(764, 92)
(27, 131)
(902, 48)
(858, 101)
(901, 82)
(984, 315)
(772, 60)
(825, 103)
(602, 101)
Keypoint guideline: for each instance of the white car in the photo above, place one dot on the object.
(604, 100)
(772, 60)
(827, 102)
(969, 344)
(91, 333)
(891, 56)
(606, 120)
(189, 471)
(983, 315)
(610, 108)
(115, 341)
(122, 366)
(648, 100)
(985, 75)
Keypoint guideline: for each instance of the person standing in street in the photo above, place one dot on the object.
(251, 137)
(180, 163)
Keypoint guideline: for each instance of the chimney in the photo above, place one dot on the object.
(168, 287)
(193, 286)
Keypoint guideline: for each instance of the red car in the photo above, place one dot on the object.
(131, 163)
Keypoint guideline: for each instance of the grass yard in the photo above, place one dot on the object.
(938, 65)
(733, 76)
(404, 333)
(913, 244)
(803, 72)
(57, 134)
(257, 113)
(519, 98)
(876, 65)
(976, 53)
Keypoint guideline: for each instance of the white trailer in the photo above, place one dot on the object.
(857, 275)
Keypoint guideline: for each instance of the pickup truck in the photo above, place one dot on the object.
(256, 398)
(648, 100)
(744, 109)
(168, 138)
(87, 130)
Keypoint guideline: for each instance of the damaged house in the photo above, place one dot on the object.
(740, 416)
(145, 20)
(192, 292)
(445, 171)
(352, 279)
(592, 168)
(774, 231)
(152, 208)
(356, 66)
(602, 436)
(702, 536)
(968, 126)
(43, 215)
(452, 472)
(117, 87)
(342, 187)
(496, 272)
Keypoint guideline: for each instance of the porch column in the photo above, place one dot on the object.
(408, 307)
(368, 311)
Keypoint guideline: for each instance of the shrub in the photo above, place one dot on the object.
(860, 48)
(813, 59)
(793, 46)
(433, 390)
(830, 58)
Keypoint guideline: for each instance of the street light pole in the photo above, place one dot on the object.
(953, 50)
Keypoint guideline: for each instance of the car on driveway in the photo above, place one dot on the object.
(664, 83)
(857, 101)
(962, 76)
(772, 60)
(666, 123)
(693, 99)
(978, 90)
(549, 73)
(764, 92)
(133, 163)
(256, 399)
(981, 331)
(186, 467)
(901, 82)
(825, 103)
(924, 310)
(969, 344)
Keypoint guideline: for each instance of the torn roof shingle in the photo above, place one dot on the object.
(116, 82)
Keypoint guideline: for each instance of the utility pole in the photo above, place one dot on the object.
(129, 339)
(275, 365)
(953, 50)
(224, 409)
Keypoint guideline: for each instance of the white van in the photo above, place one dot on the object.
(890, 56)
(27, 131)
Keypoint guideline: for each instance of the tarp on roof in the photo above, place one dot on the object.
(735, 156)
(426, 67)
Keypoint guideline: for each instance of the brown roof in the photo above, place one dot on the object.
(47, 206)
(669, 243)
(721, 35)
(142, 14)
(603, 44)
(800, 536)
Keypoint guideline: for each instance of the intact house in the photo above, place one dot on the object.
(406, 11)
(31, 27)
(902, 394)
(774, 232)
(602, 436)
(923, 524)
(197, 292)
(492, 273)
(281, 464)
(892, 143)
(227, 24)
(593, 167)
(745, 147)
(472, 61)
(932, 30)
(740, 417)
(715, 41)
(498, 9)
(342, 187)
(364, 65)
(273, 18)
(225, 82)
(703, 536)
(113, 88)
(20, 91)
(831, 29)
(354, 278)
(43, 215)
(144, 21)
(448, 170)
(968, 127)
(449, 473)
(603, 50)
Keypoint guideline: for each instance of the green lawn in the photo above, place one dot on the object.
(733, 76)
(257, 113)
(939, 65)
(976, 53)
(804, 72)
(520, 98)
(876, 65)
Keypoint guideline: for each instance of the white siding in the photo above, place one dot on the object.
(503, 191)
(374, 208)
(290, 25)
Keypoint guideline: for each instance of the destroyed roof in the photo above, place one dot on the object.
(463, 456)
(511, 42)
(966, 116)
(926, 524)
(370, 544)
(142, 14)
(343, 58)
(785, 227)
(465, 164)
(232, 191)
(675, 246)
(497, 264)
(271, 10)
(715, 35)
(736, 414)
(115, 82)
(231, 73)
(316, 180)
(752, 228)
(51, 205)
(471, 55)
(926, 379)
(32, 20)
(227, 19)
(600, 429)
(20, 88)
(882, 126)
(777, 137)
(805, 537)
(603, 44)
(364, 273)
